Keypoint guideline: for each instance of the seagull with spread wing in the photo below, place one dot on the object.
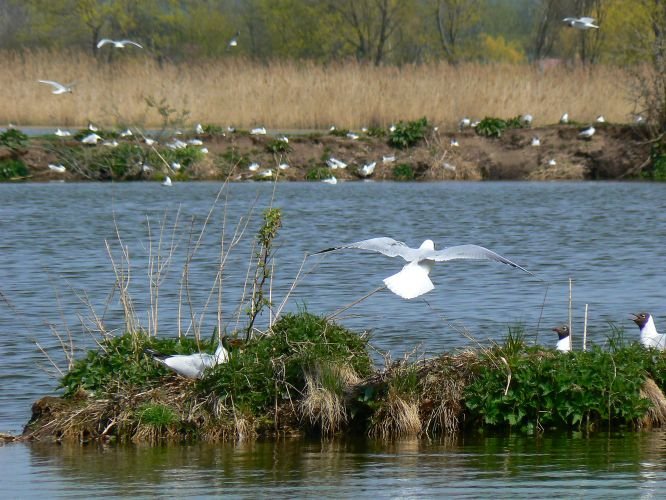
(413, 280)
(117, 44)
(58, 88)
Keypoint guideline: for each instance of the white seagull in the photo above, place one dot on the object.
(564, 118)
(253, 167)
(601, 119)
(413, 281)
(62, 133)
(330, 180)
(192, 365)
(454, 142)
(367, 170)
(464, 123)
(258, 131)
(126, 133)
(536, 141)
(59, 88)
(117, 44)
(91, 139)
(526, 120)
(388, 159)
(564, 342)
(581, 23)
(234, 41)
(649, 335)
(175, 165)
(57, 168)
(199, 129)
(167, 181)
(334, 163)
(587, 133)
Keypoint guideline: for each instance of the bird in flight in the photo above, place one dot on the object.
(413, 281)
(117, 44)
(581, 23)
(59, 88)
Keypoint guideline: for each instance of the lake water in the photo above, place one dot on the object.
(607, 237)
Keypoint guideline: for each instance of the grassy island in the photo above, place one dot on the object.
(310, 375)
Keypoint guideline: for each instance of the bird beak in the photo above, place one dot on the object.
(558, 330)
(635, 317)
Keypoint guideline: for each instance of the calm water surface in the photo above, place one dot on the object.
(607, 237)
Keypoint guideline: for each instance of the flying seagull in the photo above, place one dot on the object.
(192, 365)
(413, 280)
(649, 335)
(581, 23)
(564, 342)
(117, 44)
(59, 88)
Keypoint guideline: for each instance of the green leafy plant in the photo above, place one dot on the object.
(157, 415)
(273, 366)
(265, 237)
(12, 168)
(408, 134)
(211, 129)
(14, 140)
(276, 146)
(657, 170)
(490, 127)
(403, 172)
(318, 174)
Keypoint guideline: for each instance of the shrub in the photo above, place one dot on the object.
(274, 367)
(318, 174)
(13, 139)
(403, 172)
(12, 168)
(277, 146)
(408, 134)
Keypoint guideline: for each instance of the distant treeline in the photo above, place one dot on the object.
(373, 31)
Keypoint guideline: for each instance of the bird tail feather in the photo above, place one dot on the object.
(155, 354)
(411, 282)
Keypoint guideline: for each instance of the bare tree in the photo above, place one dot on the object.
(455, 20)
(371, 25)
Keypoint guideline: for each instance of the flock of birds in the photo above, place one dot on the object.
(413, 279)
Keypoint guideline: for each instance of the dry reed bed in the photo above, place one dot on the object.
(299, 95)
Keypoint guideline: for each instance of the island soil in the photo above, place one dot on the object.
(614, 152)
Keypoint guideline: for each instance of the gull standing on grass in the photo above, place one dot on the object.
(59, 88)
(413, 280)
(117, 44)
(564, 342)
(192, 365)
(649, 335)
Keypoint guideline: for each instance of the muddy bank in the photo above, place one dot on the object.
(614, 152)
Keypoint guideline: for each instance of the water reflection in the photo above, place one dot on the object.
(569, 464)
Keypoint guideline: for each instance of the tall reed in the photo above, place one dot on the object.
(299, 95)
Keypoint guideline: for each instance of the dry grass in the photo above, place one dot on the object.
(656, 414)
(299, 95)
(396, 417)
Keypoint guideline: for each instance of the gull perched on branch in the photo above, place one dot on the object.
(117, 44)
(581, 23)
(413, 280)
(59, 88)
(192, 365)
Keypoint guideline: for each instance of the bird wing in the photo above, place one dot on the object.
(383, 245)
(57, 85)
(103, 42)
(472, 252)
(130, 42)
(586, 20)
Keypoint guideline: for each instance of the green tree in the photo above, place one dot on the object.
(456, 20)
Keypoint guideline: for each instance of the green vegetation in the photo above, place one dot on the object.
(657, 170)
(403, 172)
(318, 174)
(310, 373)
(277, 146)
(493, 127)
(408, 134)
(14, 140)
(11, 168)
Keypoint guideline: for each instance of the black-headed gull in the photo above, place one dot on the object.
(167, 181)
(59, 88)
(368, 169)
(649, 335)
(92, 138)
(413, 281)
(564, 342)
(234, 40)
(192, 365)
(564, 118)
(57, 168)
(117, 44)
(581, 23)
